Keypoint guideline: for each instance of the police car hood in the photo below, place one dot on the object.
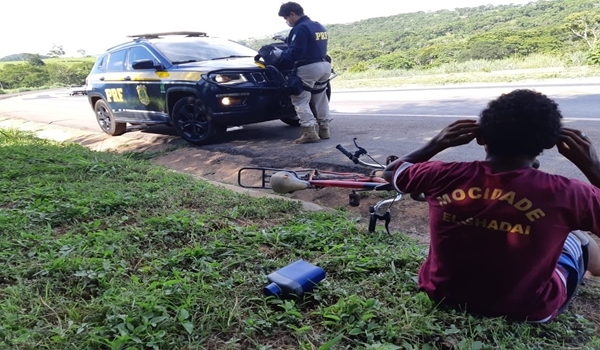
(241, 62)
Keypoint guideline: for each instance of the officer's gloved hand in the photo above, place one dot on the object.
(279, 37)
(277, 52)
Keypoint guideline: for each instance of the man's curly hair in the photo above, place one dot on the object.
(522, 122)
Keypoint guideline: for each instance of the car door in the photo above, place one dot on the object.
(115, 93)
(95, 80)
(149, 104)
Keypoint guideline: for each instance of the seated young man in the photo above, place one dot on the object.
(506, 238)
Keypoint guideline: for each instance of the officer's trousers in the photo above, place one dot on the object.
(311, 74)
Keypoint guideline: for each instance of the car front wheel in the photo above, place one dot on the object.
(292, 121)
(194, 124)
(106, 119)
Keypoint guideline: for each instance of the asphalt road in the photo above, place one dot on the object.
(384, 121)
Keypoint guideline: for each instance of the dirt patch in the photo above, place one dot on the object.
(408, 216)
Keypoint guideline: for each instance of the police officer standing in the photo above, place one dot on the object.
(307, 48)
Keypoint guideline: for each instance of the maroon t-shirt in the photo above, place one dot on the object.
(496, 238)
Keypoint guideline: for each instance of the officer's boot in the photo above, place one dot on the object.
(309, 135)
(323, 131)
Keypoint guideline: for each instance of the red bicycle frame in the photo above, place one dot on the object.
(317, 179)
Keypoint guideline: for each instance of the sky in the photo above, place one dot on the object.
(96, 26)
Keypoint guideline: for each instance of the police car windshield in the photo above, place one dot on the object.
(201, 49)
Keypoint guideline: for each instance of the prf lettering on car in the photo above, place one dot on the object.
(114, 95)
(321, 35)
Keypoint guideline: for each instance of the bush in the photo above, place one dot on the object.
(18, 76)
(358, 68)
(393, 61)
(594, 57)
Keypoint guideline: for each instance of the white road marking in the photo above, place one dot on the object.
(431, 115)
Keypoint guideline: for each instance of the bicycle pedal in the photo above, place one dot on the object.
(354, 199)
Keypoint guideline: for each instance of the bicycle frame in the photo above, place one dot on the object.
(317, 179)
(295, 180)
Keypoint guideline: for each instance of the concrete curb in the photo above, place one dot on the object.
(17, 94)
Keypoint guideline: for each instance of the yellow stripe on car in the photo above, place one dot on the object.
(155, 76)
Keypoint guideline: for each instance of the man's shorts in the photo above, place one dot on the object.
(573, 262)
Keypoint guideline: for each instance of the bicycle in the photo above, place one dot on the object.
(289, 180)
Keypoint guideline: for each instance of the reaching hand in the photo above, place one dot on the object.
(577, 148)
(277, 52)
(279, 37)
(458, 133)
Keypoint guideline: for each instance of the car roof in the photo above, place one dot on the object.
(156, 35)
(137, 38)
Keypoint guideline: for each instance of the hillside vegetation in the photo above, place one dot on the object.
(541, 34)
(565, 29)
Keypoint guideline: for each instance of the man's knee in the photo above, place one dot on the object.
(591, 252)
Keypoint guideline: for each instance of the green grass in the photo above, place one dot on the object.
(107, 251)
(65, 60)
(69, 60)
(534, 67)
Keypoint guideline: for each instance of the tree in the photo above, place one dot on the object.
(15, 76)
(585, 25)
(35, 60)
(81, 52)
(69, 74)
(35, 77)
(56, 51)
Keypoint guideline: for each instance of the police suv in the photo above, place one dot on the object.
(198, 84)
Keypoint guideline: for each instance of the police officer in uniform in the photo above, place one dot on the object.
(307, 47)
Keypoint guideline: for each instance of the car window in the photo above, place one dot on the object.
(201, 49)
(99, 66)
(138, 53)
(116, 61)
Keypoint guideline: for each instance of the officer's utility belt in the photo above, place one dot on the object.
(318, 88)
(295, 85)
(309, 61)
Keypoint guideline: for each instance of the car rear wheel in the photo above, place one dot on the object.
(106, 119)
(194, 124)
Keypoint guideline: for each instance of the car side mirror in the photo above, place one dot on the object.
(145, 64)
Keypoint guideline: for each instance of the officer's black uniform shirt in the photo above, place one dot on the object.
(307, 42)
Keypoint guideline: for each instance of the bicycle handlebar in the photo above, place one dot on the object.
(346, 153)
(355, 158)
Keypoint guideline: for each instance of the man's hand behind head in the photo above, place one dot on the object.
(460, 132)
(577, 148)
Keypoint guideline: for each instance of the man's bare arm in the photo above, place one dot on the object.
(458, 133)
(577, 148)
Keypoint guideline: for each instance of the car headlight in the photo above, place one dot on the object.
(229, 79)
